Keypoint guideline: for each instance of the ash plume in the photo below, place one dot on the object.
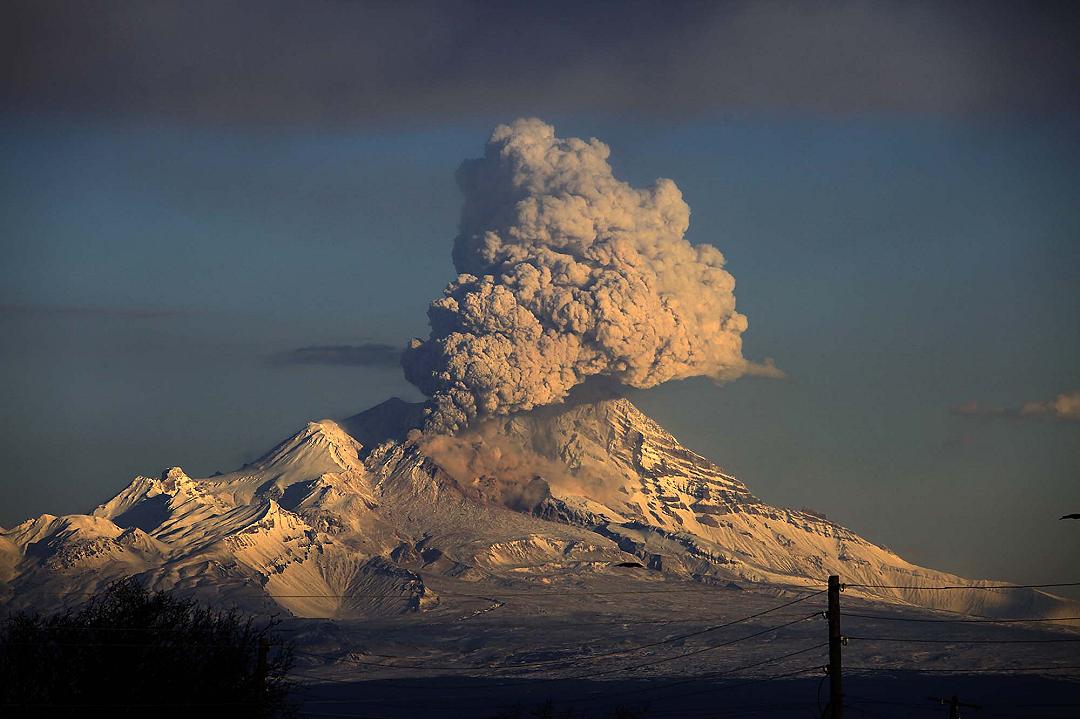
(567, 273)
(485, 462)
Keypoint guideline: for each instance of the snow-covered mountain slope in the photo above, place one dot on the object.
(355, 518)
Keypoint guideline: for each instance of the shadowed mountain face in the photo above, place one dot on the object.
(356, 518)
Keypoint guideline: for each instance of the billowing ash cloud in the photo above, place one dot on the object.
(568, 273)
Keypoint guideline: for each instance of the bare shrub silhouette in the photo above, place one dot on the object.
(132, 652)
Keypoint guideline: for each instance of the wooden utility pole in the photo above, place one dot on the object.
(836, 694)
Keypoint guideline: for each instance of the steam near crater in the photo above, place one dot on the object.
(566, 273)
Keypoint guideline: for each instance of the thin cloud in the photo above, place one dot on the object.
(1063, 408)
(17, 310)
(368, 354)
(974, 409)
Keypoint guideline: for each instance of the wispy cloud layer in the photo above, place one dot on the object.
(1065, 408)
(20, 310)
(369, 354)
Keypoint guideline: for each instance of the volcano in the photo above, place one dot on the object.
(370, 516)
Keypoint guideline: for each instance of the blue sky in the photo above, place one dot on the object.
(895, 189)
(894, 267)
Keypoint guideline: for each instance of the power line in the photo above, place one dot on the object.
(711, 689)
(716, 675)
(913, 640)
(586, 593)
(700, 589)
(591, 674)
(604, 655)
(983, 670)
(964, 586)
(325, 680)
(705, 649)
(618, 592)
(611, 622)
(163, 630)
(958, 621)
(131, 644)
(857, 699)
(732, 670)
(713, 628)
(583, 658)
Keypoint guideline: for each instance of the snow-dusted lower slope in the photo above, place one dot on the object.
(350, 518)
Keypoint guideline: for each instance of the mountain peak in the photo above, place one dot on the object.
(324, 443)
(391, 420)
(613, 432)
(174, 473)
(175, 480)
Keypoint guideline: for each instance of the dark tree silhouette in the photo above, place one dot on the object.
(131, 652)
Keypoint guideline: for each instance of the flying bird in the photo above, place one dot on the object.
(1071, 516)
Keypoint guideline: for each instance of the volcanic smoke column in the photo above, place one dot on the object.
(567, 273)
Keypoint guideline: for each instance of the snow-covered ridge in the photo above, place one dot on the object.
(351, 517)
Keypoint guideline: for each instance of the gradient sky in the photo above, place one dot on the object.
(896, 192)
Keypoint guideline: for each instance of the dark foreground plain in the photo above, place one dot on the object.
(736, 653)
(895, 694)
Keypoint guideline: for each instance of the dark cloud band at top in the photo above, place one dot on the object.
(274, 62)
